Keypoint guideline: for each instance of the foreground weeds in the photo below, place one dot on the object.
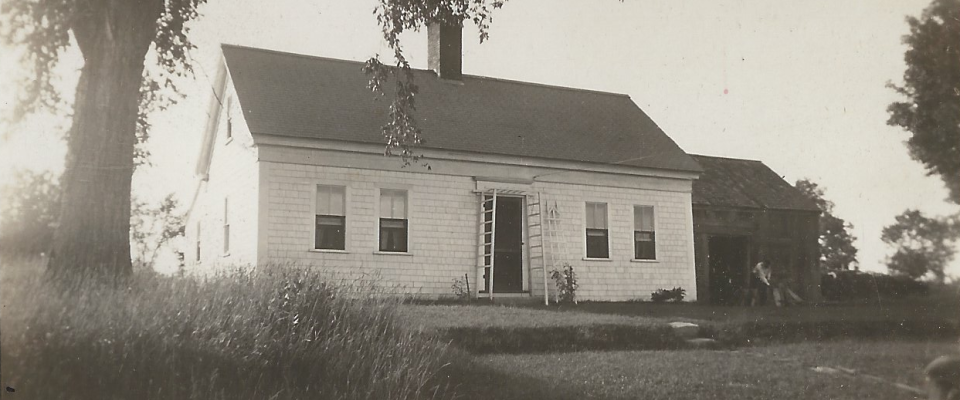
(275, 333)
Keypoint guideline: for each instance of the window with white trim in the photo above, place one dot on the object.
(393, 220)
(198, 241)
(229, 111)
(226, 226)
(597, 231)
(644, 233)
(331, 218)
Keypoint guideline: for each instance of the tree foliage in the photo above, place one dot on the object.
(931, 112)
(401, 133)
(152, 228)
(837, 251)
(114, 95)
(29, 212)
(923, 244)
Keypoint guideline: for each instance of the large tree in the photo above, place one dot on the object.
(931, 84)
(837, 251)
(117, 38)
(923, 244)
(114, 37)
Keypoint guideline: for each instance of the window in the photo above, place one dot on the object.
(597, 245)
(198, 241)
(393, 220)
(226, 227)
(331, 221)
(644, 233)
(229, 118)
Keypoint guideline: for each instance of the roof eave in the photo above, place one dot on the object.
(213, 119)
(365, 147)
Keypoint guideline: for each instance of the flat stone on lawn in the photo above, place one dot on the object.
(703, 343)
(825, 370)
(685, 330)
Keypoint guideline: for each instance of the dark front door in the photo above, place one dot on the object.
(729, 267)
(508, 254)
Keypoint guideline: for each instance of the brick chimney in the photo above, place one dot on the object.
(444, 50)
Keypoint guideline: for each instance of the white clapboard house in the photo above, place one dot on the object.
(524, 178)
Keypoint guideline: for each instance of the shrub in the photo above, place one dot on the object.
(566, 281)
(663, 295)
(461, 288)
(277, 333)
(855, 285)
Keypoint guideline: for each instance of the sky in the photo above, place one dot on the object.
(799, 85)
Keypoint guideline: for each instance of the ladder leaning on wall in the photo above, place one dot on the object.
(547, 223)
(485, 253)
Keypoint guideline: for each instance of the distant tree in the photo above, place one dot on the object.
(923, 244)
(152, 228)
(28, 212)
(932, 88)
(837, 251)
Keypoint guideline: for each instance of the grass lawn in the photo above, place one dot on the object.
(899, 361)
(526, 328)
(435, 317)
(772, 370)
(782, 372)
(290, 334)
(941, 305)
(484, 329)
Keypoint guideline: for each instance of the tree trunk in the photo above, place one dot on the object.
(92, 238)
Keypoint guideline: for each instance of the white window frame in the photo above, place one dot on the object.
(346, 218)
(656, 228)
(376, 244)
(584, 230)
(226, 226)
(199, 249)
(228, 111)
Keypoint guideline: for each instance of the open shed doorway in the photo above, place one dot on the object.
(729, 269)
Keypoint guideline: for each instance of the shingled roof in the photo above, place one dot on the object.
(729, 182)
(312, 97)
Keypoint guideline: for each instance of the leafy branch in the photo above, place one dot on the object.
(401, 133)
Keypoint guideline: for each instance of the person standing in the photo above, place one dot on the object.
(760, 282)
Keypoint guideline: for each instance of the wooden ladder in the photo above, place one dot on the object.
(546, 224)
(486, 251)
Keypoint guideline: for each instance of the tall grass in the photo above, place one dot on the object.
(275, 333)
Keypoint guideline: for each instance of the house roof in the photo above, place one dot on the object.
(312, 97)
(729, 182)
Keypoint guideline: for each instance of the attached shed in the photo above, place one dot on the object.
(744, 212)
